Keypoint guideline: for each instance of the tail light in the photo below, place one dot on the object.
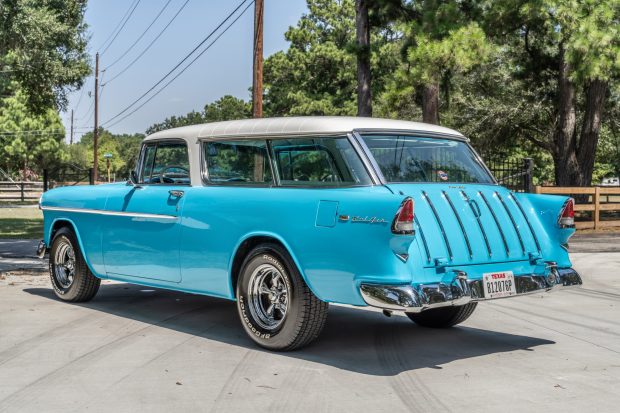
(403, 221)
(567, 216)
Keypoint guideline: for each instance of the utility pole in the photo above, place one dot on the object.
(257, 79)
(96, 131)
(71, 138)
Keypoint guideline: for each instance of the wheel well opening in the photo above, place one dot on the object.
(57, 226)
(243, 250)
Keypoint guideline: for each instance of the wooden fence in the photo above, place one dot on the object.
(20, 191)
(598, 200)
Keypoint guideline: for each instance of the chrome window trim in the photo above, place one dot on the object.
(110, 213)
(156, 143)
(368, 160)
(435, 135)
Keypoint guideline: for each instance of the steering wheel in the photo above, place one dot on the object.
(168, 179)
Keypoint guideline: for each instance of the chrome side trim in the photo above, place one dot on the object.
(514, 224)
(499, 227)
(458, 219)
(441, 228)
(415, 298)
(477, 216)
(111, 213)
(529, 225)
(421, 232)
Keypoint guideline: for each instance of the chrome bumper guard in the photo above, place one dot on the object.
(41, 249)
(419, 297)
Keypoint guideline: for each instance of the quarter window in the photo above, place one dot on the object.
(318, 162)
(165, 163)
(238, 162)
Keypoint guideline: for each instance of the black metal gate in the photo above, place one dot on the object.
(513, 174)
(66, 175)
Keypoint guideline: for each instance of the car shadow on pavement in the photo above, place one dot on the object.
(357, 340)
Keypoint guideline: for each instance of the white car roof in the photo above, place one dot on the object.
(300, 126)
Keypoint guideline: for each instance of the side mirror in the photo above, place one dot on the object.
(133, 178)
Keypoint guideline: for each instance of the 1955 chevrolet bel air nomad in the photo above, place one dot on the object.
(286, 215)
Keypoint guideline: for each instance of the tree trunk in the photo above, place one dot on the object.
(596, 92)
(430, 103)
(564, 139)
(364, 96)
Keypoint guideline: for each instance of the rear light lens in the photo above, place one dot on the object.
(403, 221)
(567, 216)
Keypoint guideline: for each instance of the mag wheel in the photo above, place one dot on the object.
(276, 307)
(71, 278)
(443, 317)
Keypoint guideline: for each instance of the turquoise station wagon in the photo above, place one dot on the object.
(286, 215)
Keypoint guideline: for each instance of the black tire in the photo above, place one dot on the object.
(80, 285)
(304, 316)
(443, 317)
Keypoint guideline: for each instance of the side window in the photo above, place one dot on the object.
(166, 163)
(237, 162)
(318, 162)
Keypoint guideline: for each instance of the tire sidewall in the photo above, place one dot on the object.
(286, 332)
(65, 234)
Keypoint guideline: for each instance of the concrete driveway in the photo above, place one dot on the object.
(138, 349)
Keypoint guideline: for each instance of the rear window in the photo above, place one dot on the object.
(403, 158)
(318, 162)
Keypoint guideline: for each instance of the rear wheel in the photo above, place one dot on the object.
(277, 309)
(443, 317)
(71, 278)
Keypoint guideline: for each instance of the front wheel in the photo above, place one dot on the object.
(443, 317)
(71, 278)
(277, 309)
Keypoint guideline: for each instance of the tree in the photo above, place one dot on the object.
(29, 141)
(443, 39)
(362, 29)
(225, 108)
(317, 74)
(124, 149)
(43, 50)
(568, 52)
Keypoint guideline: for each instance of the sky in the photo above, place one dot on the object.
(225, 69)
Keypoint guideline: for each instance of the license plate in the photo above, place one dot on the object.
(499, 284)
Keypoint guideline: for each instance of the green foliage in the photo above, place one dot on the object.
(226, 108)
(317, 74)
(124, 149)
(43, 49)
(39, 148)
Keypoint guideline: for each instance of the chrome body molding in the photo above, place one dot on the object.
(419, 297)
(113, 213)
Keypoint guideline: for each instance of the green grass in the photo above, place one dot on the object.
(25, 223)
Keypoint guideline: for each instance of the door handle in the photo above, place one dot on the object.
(176, 193)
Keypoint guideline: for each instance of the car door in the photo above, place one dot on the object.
(142, 233)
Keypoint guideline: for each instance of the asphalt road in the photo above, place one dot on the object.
(138, 349)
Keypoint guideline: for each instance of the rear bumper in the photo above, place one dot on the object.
(419, 297)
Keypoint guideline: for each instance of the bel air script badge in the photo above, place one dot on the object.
(363, 220)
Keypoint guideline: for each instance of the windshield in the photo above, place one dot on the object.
(404, 158)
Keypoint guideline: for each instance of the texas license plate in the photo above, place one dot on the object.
(499, 284)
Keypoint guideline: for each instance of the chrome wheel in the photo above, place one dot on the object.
(64, 264)
(268, 296)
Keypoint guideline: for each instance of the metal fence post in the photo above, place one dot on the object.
(21, 188)
(528, 181)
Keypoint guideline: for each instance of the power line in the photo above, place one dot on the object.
(183, 70)
(150, 44)
(118, 24)
(203, 41)
(121, 28)
(139, 37)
